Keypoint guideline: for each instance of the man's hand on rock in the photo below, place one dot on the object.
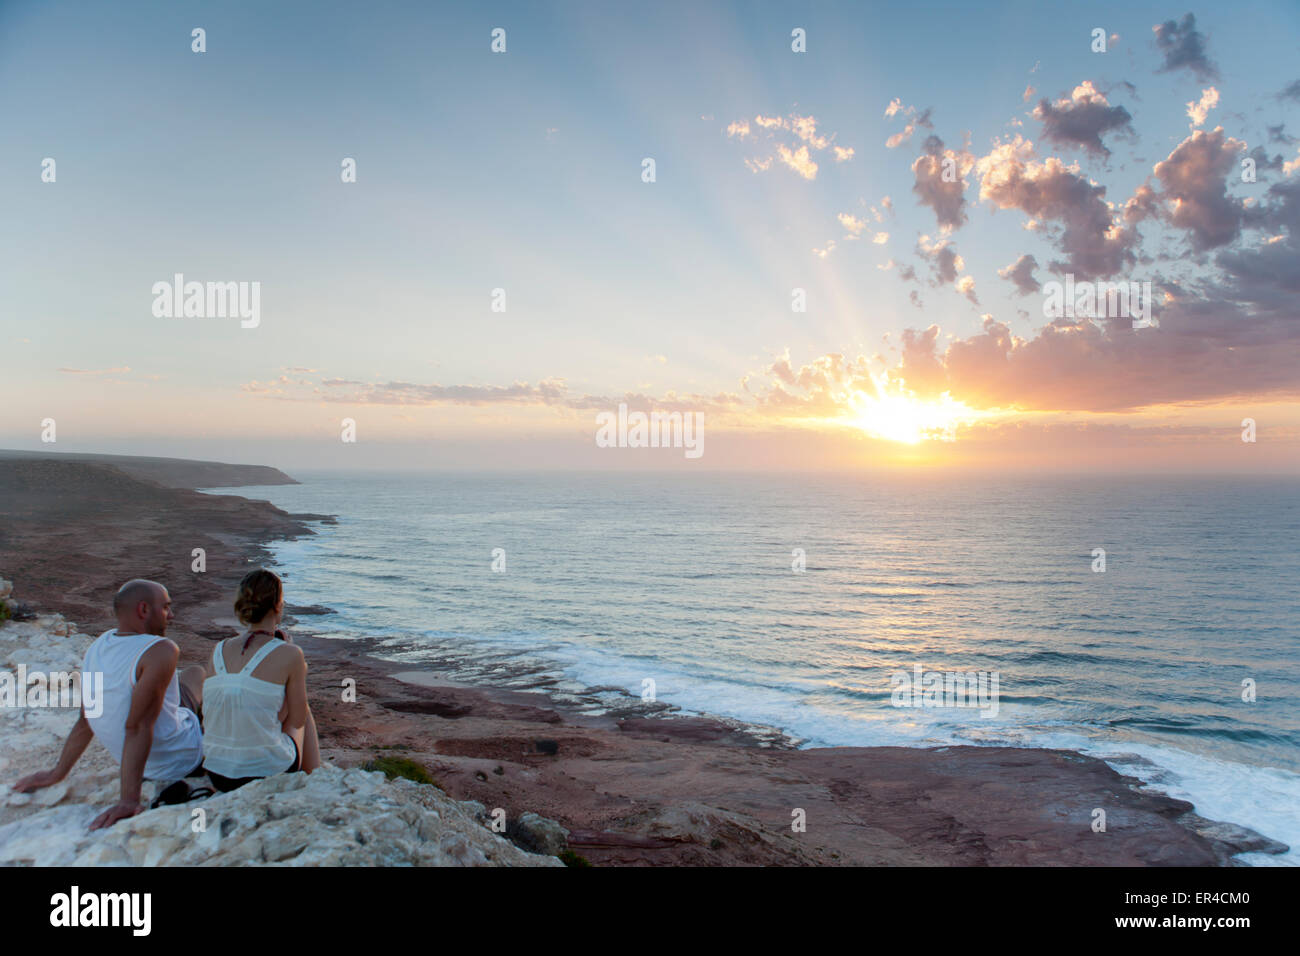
(119, 811)
(35, 781)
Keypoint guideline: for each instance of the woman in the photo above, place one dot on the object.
(256, 722)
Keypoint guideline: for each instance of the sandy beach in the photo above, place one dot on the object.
(630, 789)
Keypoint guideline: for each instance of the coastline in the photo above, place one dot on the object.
(631, 789)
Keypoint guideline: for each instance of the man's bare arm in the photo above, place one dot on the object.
(157, 667)
(78, 740)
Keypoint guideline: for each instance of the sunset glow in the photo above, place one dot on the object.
(895, 414)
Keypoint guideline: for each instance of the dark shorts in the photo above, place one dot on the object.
(226, 784)
(190, 704)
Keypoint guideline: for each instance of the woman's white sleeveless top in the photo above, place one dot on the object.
(242, 734)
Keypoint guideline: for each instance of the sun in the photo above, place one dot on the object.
(894, 413)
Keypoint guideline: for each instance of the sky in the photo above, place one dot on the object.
(915, 178)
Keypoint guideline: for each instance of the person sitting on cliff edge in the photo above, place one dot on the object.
(151, 719)
(259, 721)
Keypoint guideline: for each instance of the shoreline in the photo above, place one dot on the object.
(632, 788)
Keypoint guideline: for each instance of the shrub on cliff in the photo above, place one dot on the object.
(400, 767)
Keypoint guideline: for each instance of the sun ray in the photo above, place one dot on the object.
(895, 413)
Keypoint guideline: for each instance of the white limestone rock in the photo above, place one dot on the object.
(332, 817)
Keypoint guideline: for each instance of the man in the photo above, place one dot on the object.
(151, 718)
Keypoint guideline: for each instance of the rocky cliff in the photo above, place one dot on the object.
(333, 817)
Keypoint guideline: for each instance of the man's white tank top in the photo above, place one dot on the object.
(242, 733)
(177, 737)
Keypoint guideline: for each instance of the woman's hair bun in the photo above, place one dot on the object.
(259, 593)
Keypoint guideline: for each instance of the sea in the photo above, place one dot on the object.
(1151, 621)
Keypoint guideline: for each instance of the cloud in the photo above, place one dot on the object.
(798, 160)
(1194, 181)
(914, 122)
(880, 238)
(1198, 111)
(96, 371)
(1081, 366)
(1143, 204)
(822, 388)
(966, 286)
(793, 140)
(549, 392)
(1263, 161)
(1093, 243)
(1278, 134)
(1256, 274)
(1081, 119)
(1021, 273)
(1212, 345)
(1232, 335)
(852, 223)
(1028, 94)
(942, 256)
(940, 181)
(1184, 48)
(905, 272)
(805, 127)
(1291, 92)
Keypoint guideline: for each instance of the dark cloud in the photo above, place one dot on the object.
(945, 265)
(1081, 119)
(1256, 273)
(1226, 334)
(1292, 92)
(1144, 204)
(1278, 134)
(1021, 272)
(1262, 161)
(946, 196)
(1093, 244)
(1194, 188)
(1203, 350)
(943, 260)
(1184, 48)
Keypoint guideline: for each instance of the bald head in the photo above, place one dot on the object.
(142, 607)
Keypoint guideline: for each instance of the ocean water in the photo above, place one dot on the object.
(611, 580)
